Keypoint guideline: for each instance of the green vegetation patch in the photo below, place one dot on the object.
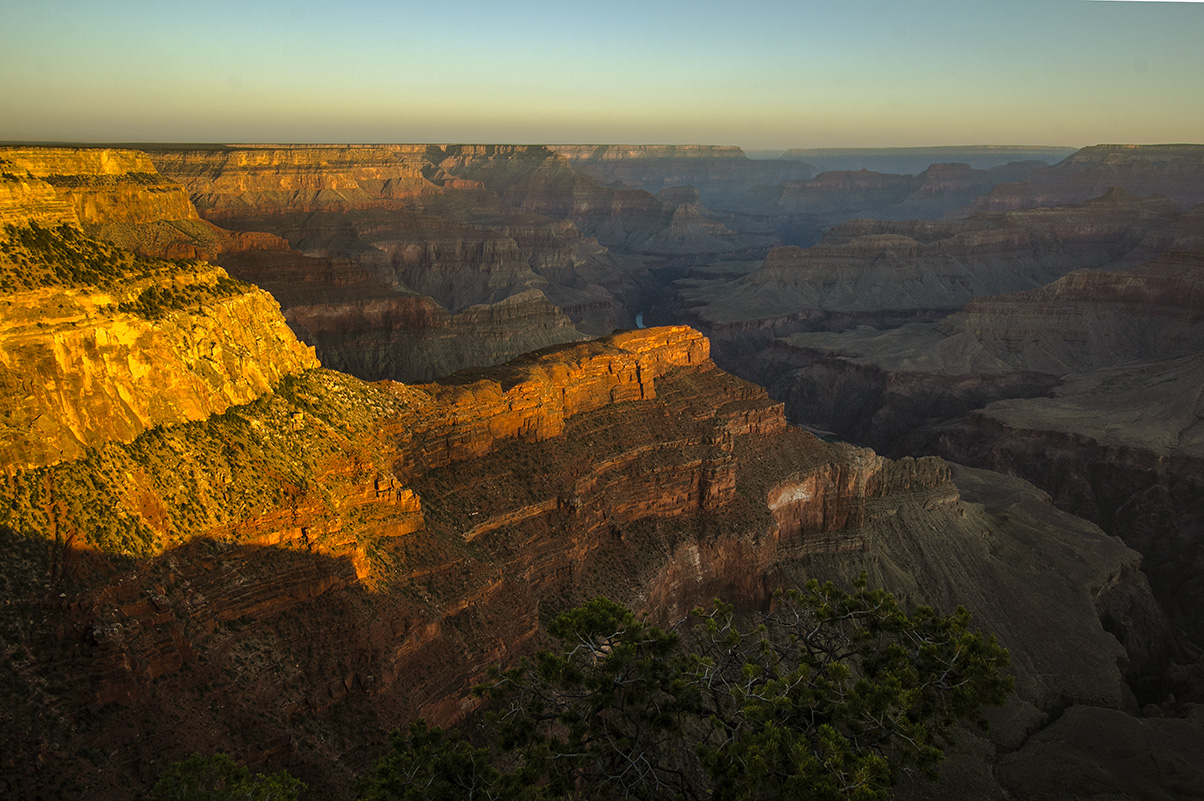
(294, 449)
(76, 180)
(34, 256)
(156, 301)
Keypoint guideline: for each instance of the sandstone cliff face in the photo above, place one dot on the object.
(96, 345)
(104, 185)
(1085, 387)
(876, 387)
(410, 338)
(420, 534)
(536, 180)
(24, 199)
(76, 374)
(114, 195)
(376, 223)
(330, 559)
(228, 183)
(1122, 447)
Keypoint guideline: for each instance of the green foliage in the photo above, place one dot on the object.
(79, 181)
(36, 256)
(175, 481)
(428, 764)
(155, 301)
(836, 693)
(831, 695)
(219, 778)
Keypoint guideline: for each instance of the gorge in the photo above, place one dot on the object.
(297, 441)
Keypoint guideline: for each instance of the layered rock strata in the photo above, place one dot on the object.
(384, 226)
(293, 578)
(304, 197)
(1085, 387)
(885, 274)
(419, 534)
(102, 185)
(1174, 171)
(880, 386)
(721, 175)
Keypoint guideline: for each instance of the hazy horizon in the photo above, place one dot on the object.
(776, 75)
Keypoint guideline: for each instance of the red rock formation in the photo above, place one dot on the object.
(468, 510)
(228, 182)
(454, 239)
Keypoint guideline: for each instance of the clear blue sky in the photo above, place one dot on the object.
(762, 74)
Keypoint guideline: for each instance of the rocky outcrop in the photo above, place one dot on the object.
(25, 199)
(888, 273)
(103, 185)
(1173, 171)
(76, 372)
(419, 535)
(228, 183)
(1105, 751)
(891, 388)
(382, 227)
(1121, 446)
(293, 578)
(99, 346)
(408, 337)
(537, 180)
(840, 192)
(1084, 387)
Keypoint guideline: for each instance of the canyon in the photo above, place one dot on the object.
(296, 442)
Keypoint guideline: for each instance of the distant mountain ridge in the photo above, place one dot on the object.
(914, 160)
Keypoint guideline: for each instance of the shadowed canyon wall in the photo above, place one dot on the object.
(286, 562)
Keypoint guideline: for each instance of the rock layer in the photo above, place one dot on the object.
(1174, 171)
(888, 273)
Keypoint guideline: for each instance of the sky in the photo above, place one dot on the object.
(761, 74)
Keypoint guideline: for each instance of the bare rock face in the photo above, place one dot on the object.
(411, 338)
(293, 573)
(1094, 753)
(1084, 387)
(1016, 345)
(93, 374)
(25, 199)
(103, 185)
(335, 558)
(227, 183)
(1120, 446)
(380, 228)
(97, 346)
(888, 273)
(537, 180)
(1174, 171)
